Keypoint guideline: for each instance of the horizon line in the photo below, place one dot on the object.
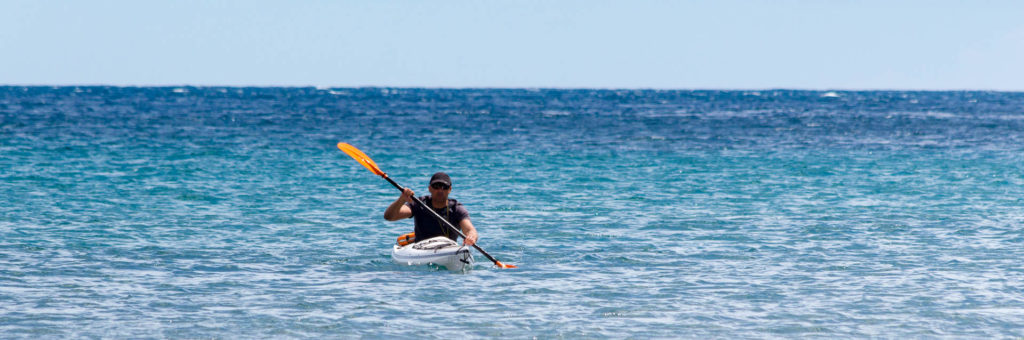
(559, 88)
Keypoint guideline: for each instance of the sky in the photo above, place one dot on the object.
(725, 44)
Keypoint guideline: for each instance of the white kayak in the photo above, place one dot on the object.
(439, 250)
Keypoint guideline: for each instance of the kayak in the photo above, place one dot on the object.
(439, 250)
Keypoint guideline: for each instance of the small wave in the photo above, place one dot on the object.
(556, 113)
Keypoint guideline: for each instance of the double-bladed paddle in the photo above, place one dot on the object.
(365, 160)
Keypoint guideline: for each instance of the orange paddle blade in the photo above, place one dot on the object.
(361, 157)
(504, 266)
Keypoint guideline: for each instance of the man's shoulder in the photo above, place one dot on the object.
(457, 206)
(414, 204)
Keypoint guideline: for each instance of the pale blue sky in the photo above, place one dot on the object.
(806, 44)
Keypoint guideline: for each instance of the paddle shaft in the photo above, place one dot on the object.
(439, 218)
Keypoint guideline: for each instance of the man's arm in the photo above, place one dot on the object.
(398, 210)
(469, 231)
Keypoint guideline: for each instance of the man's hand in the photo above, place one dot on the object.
(469, 231)
(398, 210)
(470, 239)
(407, 195)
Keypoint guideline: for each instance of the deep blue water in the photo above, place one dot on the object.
(229, 213)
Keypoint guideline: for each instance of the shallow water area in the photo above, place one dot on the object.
(229, 212)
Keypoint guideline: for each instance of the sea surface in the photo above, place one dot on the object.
(184, 212)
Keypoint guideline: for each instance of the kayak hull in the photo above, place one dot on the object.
(439, 250)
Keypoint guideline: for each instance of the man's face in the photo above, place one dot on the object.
(440, 189)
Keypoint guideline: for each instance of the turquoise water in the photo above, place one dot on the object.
(229, 213)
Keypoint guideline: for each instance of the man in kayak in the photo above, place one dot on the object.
(426, 224)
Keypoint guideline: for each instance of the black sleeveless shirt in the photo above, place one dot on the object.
(427, 226)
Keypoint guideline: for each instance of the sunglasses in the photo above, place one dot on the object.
(440, 186)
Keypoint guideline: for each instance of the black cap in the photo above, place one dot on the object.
(441, 177)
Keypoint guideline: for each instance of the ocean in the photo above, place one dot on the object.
(223, 212)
